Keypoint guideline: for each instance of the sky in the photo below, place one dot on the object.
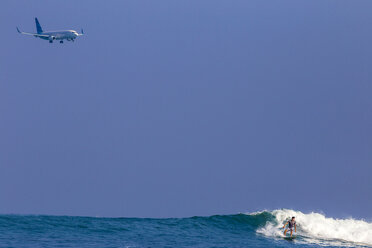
(182, 108)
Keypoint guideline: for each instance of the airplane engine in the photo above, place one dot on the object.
(51, 38)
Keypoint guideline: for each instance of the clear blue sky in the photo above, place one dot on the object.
(179, 108)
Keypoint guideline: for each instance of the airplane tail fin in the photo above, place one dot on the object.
(38, 27)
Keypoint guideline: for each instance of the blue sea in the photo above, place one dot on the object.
(260, 229)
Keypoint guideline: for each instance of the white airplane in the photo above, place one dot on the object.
(69, 35)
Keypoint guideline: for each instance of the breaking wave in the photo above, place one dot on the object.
(318, 229)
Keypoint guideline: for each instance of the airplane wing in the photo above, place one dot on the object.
(36, 35)
(82, 33)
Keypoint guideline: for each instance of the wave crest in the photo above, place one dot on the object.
(319, 229)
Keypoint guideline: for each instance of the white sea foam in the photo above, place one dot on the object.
(317, 228)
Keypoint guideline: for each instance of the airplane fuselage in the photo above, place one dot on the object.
(60, 35)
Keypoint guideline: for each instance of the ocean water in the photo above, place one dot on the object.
(260, 229)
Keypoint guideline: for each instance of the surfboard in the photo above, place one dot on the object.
(290, 238)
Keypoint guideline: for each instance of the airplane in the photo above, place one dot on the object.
(69, 35)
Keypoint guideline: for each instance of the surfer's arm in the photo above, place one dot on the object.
(285, 224)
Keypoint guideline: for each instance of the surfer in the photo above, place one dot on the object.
(291, 223)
